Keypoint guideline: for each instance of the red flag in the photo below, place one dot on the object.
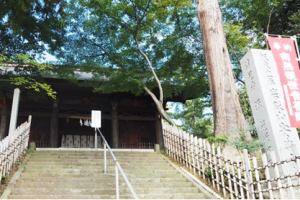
(284, 53)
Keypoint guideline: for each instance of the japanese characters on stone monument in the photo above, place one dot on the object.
(267, 103)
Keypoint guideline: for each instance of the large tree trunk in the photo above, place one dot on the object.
(228, 116)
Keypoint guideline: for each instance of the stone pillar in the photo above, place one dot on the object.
(159, 131)
(4, 119)
(54, 124)
(267, 103)
(14, 111)
(115, 126)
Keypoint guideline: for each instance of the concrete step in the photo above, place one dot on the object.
(94, 184)
(70, 175)
(112, 165)
(100, 170)
(145, 196)
(76, 196)
(79, 175)
(101, 191)
(99, 179)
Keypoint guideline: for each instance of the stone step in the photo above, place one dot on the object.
(69, 175)
(103, 179)
(17, 196)
(89, 184)
(102, 191)
(145, 196)
(98, 171)
(91, 163)
(79, 175)
(112, 165)
(62, 153)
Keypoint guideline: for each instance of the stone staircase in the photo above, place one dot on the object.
(79, 175)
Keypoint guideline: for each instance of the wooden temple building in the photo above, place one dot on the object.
(128, 121)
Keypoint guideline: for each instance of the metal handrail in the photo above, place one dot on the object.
(117, 167)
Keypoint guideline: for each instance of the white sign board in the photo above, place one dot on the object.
(96, 119)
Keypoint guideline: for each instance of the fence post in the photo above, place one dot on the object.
(248, 174)
(202, 157)
(238, 166)
(257, 178)
(267, 173)
(221, 170)
(277, 174)
(228, 175)
(287, 173)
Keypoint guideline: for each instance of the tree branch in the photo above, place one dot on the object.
(161, 94)
(159, 106)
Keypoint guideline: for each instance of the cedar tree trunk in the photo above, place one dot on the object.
(228, 116)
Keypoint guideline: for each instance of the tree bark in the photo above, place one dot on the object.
(227, 112)
(158, 102)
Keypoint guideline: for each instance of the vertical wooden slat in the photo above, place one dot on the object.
(228, 176)
(176, 144)
(211, 163)
(215, 166)
(181, 147)
(193, 153)
(238, 166)
(257, 178)
(286, 173)
(221, 170)
(205, 150)
(248, 174)
(277, 174)
(197, 155)
(187, 149)
(202, 157)
(236, 193)
(267, 173)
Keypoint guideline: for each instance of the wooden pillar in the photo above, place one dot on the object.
(4, 118)
(159, 131)
(54, 124)
(115, 129)
(14, 111)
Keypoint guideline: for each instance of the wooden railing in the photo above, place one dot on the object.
(13, 147)
(137, 145)
(41, 144)
(241, 177)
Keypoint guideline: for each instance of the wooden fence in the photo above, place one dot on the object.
(13, 147)
(242, 177)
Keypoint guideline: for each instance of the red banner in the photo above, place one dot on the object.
(284, 53)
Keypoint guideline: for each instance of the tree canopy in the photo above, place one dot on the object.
(105, 34)
(31, 26)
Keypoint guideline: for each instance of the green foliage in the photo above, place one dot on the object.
(26, 75)
(209, 172)
(220, 141)
(260, 15)
(31, 26)
(104, 34)
(240, 142)
(193, 119)
(4, 179)
(246, 107)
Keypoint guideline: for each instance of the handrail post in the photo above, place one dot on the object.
(104, 158)
(117, 182)
(96, 140)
